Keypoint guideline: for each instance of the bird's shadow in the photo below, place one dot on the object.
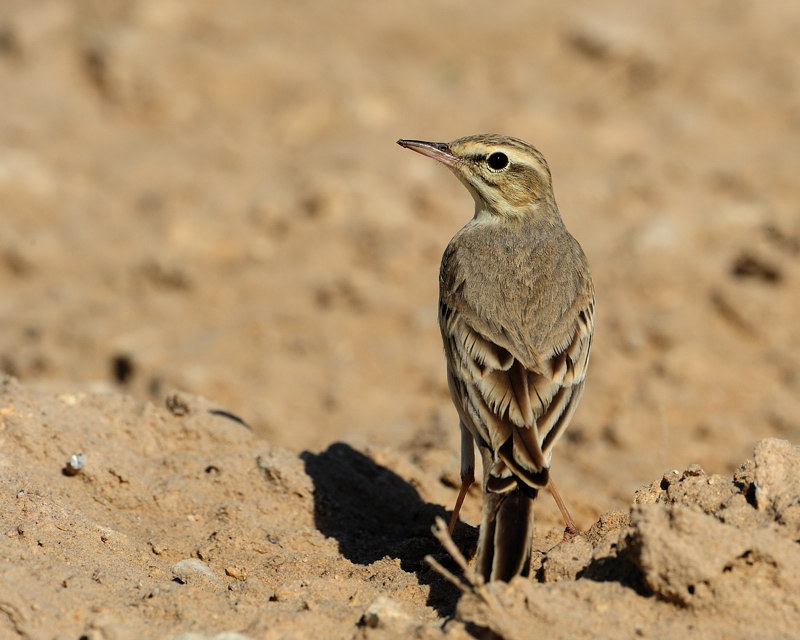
(373, 513)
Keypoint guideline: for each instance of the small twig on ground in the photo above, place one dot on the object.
(471, 581)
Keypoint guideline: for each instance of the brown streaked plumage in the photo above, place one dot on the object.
(516, 311)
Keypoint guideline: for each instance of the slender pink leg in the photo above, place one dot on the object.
(467, 472)
(571, 528)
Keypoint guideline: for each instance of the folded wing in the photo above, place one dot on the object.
(515, 404)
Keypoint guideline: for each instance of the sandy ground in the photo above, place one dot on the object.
(205, 218)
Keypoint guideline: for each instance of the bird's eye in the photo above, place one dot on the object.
(498, 160)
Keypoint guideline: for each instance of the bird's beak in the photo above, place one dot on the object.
(436, 150)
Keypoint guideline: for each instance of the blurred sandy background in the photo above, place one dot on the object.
(208, 197)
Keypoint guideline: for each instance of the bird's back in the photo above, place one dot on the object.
(520, 285)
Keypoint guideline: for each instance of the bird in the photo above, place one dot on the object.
(516, 313)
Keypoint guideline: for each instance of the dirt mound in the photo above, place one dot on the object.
(182, 520)
(695, 555)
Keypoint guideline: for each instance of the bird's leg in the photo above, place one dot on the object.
(571, 528)
(466, 482)
(467, 472)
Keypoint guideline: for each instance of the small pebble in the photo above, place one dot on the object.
(197, 573)
(385, 613)
(239, 573)
(75, 464)
(177, 404)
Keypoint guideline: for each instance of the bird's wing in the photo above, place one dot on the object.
(516, 408)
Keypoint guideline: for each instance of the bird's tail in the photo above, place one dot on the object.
(505, 538)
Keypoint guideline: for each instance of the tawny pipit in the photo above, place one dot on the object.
(516, 308)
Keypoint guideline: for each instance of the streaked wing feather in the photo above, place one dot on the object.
(518, 412)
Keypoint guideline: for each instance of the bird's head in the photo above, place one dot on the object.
(506, 176)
